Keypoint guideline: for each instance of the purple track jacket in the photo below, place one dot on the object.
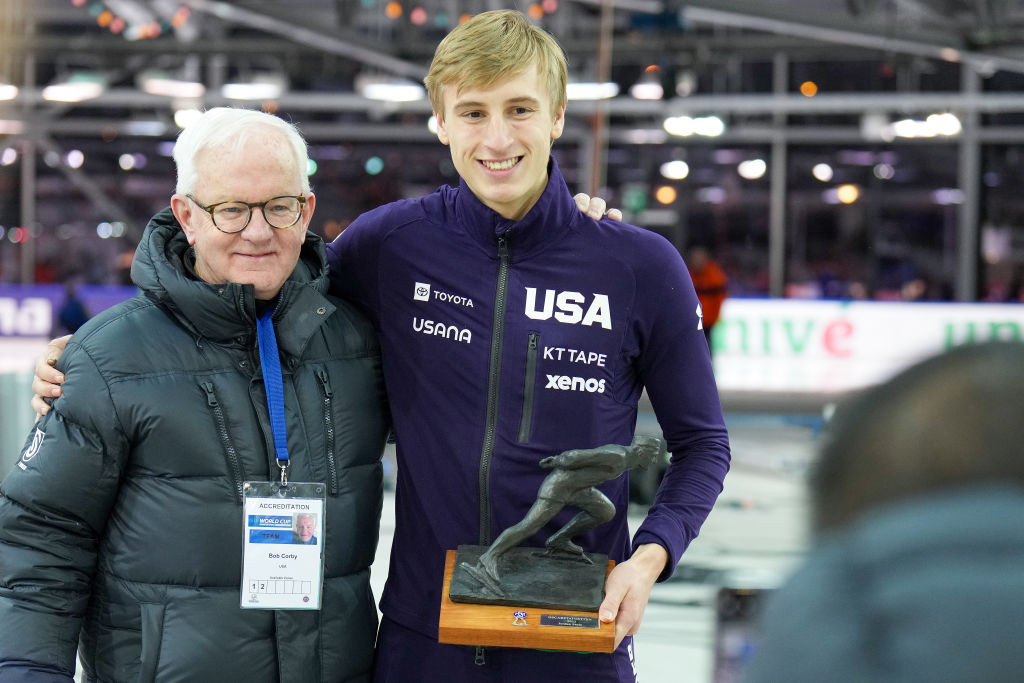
(504, 342)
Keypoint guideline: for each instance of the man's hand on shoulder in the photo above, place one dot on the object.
(595, 207)
(47, 381)
(628, 589)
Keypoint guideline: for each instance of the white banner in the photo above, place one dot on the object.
(788, 345)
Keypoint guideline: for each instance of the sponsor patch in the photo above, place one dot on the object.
(436, 329)
(571, 308)
(421, 292)
(564, 383)
(33, 449)
(424, 291)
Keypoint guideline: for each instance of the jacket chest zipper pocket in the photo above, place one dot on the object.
(529, 385)
(230, 454)
(332, 466)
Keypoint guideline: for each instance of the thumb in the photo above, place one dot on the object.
(613, 596)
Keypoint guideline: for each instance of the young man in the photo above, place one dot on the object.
(123, 520)
(514, 328)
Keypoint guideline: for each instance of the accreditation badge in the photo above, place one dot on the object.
(283, 557)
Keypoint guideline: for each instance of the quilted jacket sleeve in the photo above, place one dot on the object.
(54, 504)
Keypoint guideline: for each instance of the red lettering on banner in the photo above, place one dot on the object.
(837, 332)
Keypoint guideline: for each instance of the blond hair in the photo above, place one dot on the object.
(492, 47)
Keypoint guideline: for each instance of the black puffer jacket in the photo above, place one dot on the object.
(122, 521)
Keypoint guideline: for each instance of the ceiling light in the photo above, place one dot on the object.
(822, 172)
(78, 87)
(752, 169)
(944, 124)
(884, 171)
(151, 127)
(648, 86)
(684, 126)
(389, 89)
(686, 83)
(168, 85)
(592, 91)
(675, 170)
(185, 117)
(261, 87)
(848, 194)
(8, 91)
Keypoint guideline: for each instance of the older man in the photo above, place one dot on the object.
(122, 523)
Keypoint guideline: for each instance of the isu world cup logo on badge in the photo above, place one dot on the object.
(520, 618)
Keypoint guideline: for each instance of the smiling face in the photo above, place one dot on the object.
(500, 139)
(260, 255)
(306, 527)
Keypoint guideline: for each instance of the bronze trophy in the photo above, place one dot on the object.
(511, 596)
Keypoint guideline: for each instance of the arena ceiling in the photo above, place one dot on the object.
(724, 55)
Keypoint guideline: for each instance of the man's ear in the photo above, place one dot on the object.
(183, 209)
(442, 132)
(559, 124)
(308, 208)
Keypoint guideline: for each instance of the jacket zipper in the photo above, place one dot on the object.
(332, 468)
(491, 425)
(230, 454)
(528, 386)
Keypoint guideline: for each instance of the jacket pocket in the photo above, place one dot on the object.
(529, 385)
(234, 463)
(152, 618)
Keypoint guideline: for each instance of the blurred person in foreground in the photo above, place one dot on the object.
(711, 285)
(918, 497)
(513, 328)
(121, 526)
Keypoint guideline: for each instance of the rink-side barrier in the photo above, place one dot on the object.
(26, 323)
(781, 355)
(794, 347)
(16, 416)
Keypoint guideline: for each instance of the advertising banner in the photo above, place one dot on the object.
(828, 347)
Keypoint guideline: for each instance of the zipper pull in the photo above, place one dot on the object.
(479, 660)
(325, 381)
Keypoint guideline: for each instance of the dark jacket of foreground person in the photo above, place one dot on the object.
(926, 590)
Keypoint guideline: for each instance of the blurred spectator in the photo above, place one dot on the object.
(72, 314)
(711, 284)
(917, 499)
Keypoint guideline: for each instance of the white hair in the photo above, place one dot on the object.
(231, 129)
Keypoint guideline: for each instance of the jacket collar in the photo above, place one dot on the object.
(226, 313)
(554, 214)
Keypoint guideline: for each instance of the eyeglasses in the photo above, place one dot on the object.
(231, 217)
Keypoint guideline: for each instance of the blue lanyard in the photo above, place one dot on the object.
(271, 365)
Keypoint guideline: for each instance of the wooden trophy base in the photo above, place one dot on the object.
(511, 625)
